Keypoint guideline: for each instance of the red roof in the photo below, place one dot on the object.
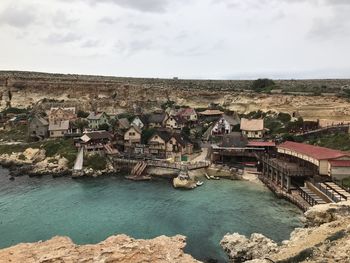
(261, 144)
(316, 152)
(340, 163)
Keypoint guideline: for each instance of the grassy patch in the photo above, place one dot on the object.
(17, 133)
(95, 162)
(339, 141)
(62, 147)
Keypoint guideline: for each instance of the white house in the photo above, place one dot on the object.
(225, 125)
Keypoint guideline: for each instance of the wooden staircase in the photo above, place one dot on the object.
(136, 172)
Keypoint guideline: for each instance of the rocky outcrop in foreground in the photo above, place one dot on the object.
(119, 249)
(325, 239)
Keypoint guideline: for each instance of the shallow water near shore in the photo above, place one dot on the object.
(89, 210)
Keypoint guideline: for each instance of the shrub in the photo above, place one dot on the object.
(261, 85)
(95, 162)
(82, 114)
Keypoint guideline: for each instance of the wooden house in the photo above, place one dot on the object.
(62, 114)
(38, 128)
(225, 124)
(252, 129)
(96, 119)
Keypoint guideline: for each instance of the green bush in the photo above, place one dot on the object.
(82, 114)
(263, 85)
(95, 162)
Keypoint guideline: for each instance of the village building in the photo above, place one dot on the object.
(95, 141)
(252, 129)
(157, 143)
(225, 125)
(174, 122)
(132, 137)
(188, 114)
(165, 144)
(140, 121)
(177, 146)
(38, 128)
(58, 129)
(62, 114)
(210, 115)
(157, 120)
(123, 123)
(320, 160)
(237, 149)
(96, 119)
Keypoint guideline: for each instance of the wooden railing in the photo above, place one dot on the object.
(302, 172)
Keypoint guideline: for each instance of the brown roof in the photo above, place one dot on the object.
(316, 152)
(261, 144)
(211, 112)
(252, 125)
(96, 135)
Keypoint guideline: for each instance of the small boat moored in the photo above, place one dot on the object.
(199, 183)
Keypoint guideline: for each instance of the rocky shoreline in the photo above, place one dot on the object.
(120, 248)
(34, 162)
(325, 238)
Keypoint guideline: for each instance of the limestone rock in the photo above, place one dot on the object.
(35, 155)
(241, 249)
(119, 249)
(326, 239)
(321, 214)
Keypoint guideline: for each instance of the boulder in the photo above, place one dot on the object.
(320, 214)
(240, 248)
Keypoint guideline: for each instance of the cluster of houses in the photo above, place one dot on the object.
(159, 134)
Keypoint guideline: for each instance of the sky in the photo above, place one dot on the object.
(205, 39)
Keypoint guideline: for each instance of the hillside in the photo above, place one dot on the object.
(117, 94)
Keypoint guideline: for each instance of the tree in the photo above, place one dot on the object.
(82, 114)
(103, 126)
(284, 117)
(146, 135)
(81, 124)
(261, 85)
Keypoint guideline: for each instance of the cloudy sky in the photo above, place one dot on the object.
(185, 38)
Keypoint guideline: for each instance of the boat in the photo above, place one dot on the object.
(199, 183)
(214, 177)
(207, 176)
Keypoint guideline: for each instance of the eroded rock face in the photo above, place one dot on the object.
(241, 249)
(321, 214)
(119, 249)
(326, 239)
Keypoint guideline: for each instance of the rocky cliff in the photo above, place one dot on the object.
(119, 249)
(325, 239)
(116, 95)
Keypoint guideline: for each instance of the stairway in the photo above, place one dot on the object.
(336, 188)
(139, 169)
(110, 149)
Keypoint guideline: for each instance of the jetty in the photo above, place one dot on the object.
(138, 167)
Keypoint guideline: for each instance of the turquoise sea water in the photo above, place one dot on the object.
(90, 210)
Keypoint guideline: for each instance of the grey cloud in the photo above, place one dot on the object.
(138, 27)
(134, 46)
(57, 38)
(154, 6)
(90, 43)
(19, 17)
(61, 20)
(108, 20)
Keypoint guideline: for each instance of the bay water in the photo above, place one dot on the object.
(91, 209)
